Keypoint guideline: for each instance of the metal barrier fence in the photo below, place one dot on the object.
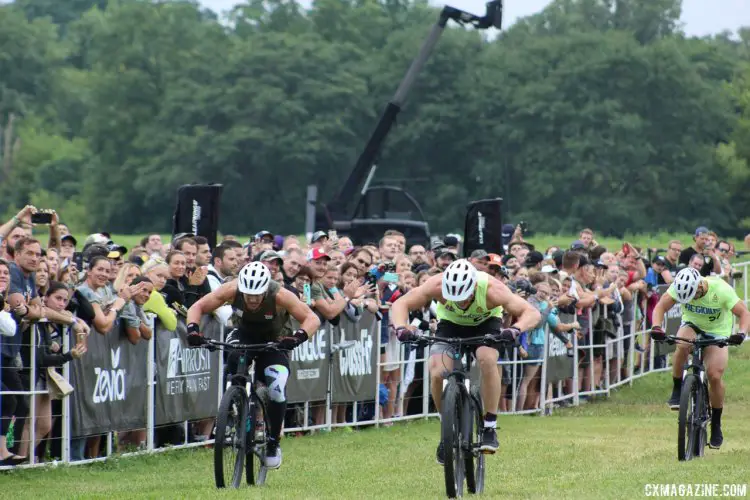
(623, 360)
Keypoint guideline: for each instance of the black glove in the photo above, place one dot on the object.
(736, 338)
(657, 333)
(405, 335)
(195, 340)
(289, 343)
(506, 334)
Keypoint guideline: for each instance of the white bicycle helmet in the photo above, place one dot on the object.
(459, 280)
(254, 279)
(686, 284)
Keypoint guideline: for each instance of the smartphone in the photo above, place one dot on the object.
(390, 277)
(332, 235)
(78, 259)
(306, 292)
(524, 226)
(625, 249)
(41, 218)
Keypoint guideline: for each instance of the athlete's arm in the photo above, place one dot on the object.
(527, 316)
(666, 302)
(416, 298)
(743, 315)
(308, 320)
(211, 302)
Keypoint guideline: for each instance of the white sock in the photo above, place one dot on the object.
(490, 424)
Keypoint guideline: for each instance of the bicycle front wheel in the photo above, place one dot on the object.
(474, 462)
(452, 439)
(702, 418)
(229, 443)
(687, 419)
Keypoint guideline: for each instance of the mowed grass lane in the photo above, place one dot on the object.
(606, 449)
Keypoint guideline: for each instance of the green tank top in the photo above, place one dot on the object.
(477, 312)
(265, 324)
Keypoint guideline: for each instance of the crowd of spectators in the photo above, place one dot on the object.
(101, 287)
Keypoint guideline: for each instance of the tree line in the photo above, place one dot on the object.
(598, 113)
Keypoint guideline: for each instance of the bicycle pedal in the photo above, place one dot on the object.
(487, 452)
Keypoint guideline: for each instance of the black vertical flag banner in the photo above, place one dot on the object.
(483, 228)
(197, 211)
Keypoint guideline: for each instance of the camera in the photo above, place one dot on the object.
(377, 272)
(524, 226)
(41, 217)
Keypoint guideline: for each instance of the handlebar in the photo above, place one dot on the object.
(486, 340)
(719, 342)
(267, 347)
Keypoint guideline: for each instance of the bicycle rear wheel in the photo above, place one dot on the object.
(229, 444)
(687, 418)
(257, 438)
(474, 463)
(452, 440)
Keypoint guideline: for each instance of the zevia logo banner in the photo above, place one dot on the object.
(187, 380)
(110, 385)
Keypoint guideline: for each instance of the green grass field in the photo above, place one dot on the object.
(607, 449)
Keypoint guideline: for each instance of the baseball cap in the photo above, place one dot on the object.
(507, 232)
(113, 247)
(278, 242)
(701, 230)
(318, 235)
(480, 254)
(659, 259)
(549, 269)
(95, 239)
(495, 259)
(577, 245)
(600, 264)
(262, 234)
(507, 257)
(451, 240)
(445, 251)
(533, 258)
(69, 237)
(269, 255)
(317, 253)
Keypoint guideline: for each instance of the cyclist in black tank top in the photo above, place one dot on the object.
(261, 308)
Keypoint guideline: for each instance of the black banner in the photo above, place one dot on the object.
(197, 211)
(187, 380)
(355, 359)
(110, 385)
(483, 228)
(308, 373)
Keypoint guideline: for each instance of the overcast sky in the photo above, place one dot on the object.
(700, 17)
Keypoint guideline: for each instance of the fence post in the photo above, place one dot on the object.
(150, 389)
(66, 408)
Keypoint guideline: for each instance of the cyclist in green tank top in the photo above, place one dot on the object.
(261, 308)
(470, 303)
(707, 307)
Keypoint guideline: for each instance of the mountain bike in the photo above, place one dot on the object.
(462, 416)
(242, 423)
(695, 406)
